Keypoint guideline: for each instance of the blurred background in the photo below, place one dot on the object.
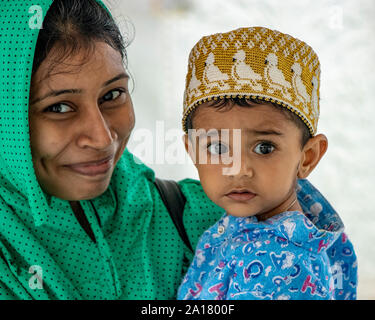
(340, 31)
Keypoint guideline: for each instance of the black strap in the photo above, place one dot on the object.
(174, 201)
(82, 219)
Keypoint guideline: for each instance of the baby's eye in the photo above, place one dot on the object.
(217, 148)
(113, 94)
(59, 108)
(264, 148)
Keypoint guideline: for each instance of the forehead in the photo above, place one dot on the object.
(241, 117)
(82, 67)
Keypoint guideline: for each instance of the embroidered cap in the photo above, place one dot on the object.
(256, 63)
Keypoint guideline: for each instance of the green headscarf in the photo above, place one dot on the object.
(137, 254)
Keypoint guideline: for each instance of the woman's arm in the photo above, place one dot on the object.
(200, 212)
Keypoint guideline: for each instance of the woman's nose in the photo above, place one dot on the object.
(95, 131)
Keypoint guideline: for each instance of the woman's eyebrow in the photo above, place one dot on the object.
(54, 93)
(118, 77)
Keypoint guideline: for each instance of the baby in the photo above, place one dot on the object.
(252, 99)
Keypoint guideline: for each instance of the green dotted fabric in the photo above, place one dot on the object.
(137, 254)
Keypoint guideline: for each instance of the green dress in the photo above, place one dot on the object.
(44, 251)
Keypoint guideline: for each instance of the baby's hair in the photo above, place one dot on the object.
(76, 25)
(228, 103)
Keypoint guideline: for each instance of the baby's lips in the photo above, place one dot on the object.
(242, 195)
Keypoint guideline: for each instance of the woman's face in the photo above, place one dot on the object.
(81, 117)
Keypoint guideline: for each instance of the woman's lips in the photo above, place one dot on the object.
(240, 195)
(93, 168)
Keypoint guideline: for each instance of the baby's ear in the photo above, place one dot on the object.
(312, 152)
(189, 147)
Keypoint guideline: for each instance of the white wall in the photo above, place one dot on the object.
(342, 34)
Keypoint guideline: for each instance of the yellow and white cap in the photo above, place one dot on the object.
(257, 63)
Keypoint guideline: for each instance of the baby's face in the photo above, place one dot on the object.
(265, 157)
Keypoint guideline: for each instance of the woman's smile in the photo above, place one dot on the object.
(93, 168)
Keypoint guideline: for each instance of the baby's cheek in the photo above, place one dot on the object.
(212, 181)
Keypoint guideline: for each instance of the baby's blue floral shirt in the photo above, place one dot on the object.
(289, 256)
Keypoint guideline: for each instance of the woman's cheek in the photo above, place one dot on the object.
(125, 122)
(37, 132)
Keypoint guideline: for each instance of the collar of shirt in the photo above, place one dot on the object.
(316, 229)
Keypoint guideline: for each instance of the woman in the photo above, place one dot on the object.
(80, 219)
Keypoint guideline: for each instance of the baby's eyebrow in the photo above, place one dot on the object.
(263, 132)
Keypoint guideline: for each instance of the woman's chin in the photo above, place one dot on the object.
(80, 192)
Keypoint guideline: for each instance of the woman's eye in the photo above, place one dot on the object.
(113, 95)
(217, 148)
(58, 108)
(264, 148)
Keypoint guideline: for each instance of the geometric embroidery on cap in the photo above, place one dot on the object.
(275, 48)
(299, 88)
(213, 77)
(225, 45)
(193, 90)
(258, 62)
(244, 74)
(275, 77)
(314, 97)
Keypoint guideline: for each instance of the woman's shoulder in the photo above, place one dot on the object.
(200, 212)
(132, 176)
(133, 168)
(132, 172)
(197, 201)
